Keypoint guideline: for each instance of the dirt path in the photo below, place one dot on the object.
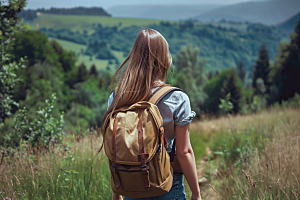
(206, 190)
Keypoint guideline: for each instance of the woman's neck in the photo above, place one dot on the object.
(158, 83)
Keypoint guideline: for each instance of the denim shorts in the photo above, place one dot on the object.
(176, 193)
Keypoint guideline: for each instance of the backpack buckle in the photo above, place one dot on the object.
(162, 136)
(161, 129)
(113, 168)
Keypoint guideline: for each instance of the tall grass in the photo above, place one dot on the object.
(257, 157)
(68, 171)
(258, 154)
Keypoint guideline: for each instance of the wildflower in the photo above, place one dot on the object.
(295, 138)
(52, 140)
(91, 133)
(92, 128)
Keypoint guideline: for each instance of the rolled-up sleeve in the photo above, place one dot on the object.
(183, 114)
(110, 100)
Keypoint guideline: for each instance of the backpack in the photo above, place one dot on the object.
(135, 145)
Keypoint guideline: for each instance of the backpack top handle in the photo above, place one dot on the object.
(161, 93)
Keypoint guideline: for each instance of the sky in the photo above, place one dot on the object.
(33, 4)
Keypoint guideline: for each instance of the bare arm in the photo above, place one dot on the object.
(186, 159)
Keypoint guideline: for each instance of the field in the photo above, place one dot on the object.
(254, 156)
(263, 147)
(82, 23)
(78, 48)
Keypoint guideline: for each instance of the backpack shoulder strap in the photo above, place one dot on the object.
(158, 95)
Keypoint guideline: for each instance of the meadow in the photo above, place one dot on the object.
(100, 64)
(253, 156)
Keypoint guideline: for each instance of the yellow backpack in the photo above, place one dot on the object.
(135, 145)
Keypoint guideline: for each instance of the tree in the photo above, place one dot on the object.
(219, 86)
(104, 80)
(93, 70)
(241, 71)
(91, 102)
(261, 93)
(66, 58)
(38, 43)
(209, 75)
(9, 20)
(287, 78)
(231, 86)
(57, 47)
(190, 76)
(82, 73)
(217, 73)
(9, 24)
(261, 68)
(43, 56)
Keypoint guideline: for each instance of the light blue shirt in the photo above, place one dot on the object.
(175, 110)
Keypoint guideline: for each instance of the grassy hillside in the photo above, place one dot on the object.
(221, 46)
(84, 23)
(266, 145)
(290, 24)
(262, 146)
(78, 48)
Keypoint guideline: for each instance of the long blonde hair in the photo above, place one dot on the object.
(147, 67)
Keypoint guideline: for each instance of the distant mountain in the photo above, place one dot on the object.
(290, 24)
(266, 12)
(161, 12)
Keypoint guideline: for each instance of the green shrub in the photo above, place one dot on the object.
(38, 131)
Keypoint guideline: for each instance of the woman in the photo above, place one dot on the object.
(146, 69)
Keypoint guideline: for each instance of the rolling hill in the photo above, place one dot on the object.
(290, 24)
(222, 47)
(87, 60)
(161, 12)
(265, 12)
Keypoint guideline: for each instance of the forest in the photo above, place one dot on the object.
(221, 47)
(45, 95)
